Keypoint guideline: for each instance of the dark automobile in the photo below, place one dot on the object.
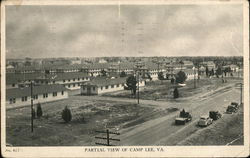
(215, 115)
(183, 118)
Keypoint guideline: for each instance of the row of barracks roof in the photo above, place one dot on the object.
(26, 91)
(103, 81)
(122, 66)
(16, 78)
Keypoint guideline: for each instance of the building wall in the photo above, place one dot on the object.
(110, 89)
(103, 89)
(93, 90)
(190, 76)
(9, 86)
(50, 98)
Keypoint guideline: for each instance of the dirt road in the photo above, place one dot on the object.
(162, 131)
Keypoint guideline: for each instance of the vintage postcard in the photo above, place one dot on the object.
(113, 78)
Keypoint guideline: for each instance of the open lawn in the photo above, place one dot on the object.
(163, 90)
(50, 130)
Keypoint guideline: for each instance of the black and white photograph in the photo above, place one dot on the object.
(116, 77)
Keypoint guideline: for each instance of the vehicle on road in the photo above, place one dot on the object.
(232, 108)
(183, 118)
(215, 115)
(205, 121)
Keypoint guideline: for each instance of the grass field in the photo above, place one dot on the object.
(163, 90)
(87, 118)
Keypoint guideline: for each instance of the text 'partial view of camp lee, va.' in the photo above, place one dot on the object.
(127, 75)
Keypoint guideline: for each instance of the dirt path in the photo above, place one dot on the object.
(163, 104)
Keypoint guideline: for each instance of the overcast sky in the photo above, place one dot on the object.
(128, 30)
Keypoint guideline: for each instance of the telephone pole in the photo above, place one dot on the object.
(241, 88)
(138, 82)
(194, 78)
(108, 138)
(31, 97)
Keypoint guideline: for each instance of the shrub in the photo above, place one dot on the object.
(66, 114)
(180, 77)
(176, 93)
(33, 113)
(39, 111)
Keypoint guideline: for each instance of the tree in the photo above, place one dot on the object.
(212, 72)
(39, 111)
(103, 72)
(218, 71)
(123, 74)
(66, 114)
(176, 93)
(160, 76)
(131, 83)
(207, 71)
(172, 80)
(180, 77)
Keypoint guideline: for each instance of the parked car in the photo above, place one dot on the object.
(236, 105)
(205, 121)
(232, 108)
(215, 115)
(183, 118)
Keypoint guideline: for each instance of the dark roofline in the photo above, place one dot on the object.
(21, 92)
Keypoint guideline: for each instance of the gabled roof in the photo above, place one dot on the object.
(16, 78)
(21, 92)
(64, 76)
(103, 81)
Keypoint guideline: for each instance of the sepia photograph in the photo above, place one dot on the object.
(114, 76)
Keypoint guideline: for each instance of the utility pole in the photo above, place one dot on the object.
(241, 92)
(107, 132)
(138, 82)
(31, 95)
(194, 78)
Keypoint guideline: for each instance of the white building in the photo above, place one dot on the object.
(18, 97)
(103, 85)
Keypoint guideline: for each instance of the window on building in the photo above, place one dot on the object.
(63, 80)
(69, 80)
(79, 84)
(24, 98)
(112, 86)
(74, 79)
(13, 85)
(54, 94)
(101, 88)
(54, 82)
(69, 85)
(106, 87)
(93, 88)
(12, 100)
(62, 92)
(117, 85)
(78, 79)
(83, 88)
(41, 81)
(123, 84)
(83, 78)
(45, 95)
(87, 78)
(74, 85)
(35, 97)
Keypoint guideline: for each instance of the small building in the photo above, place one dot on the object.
(101, 85)
(18, 97)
